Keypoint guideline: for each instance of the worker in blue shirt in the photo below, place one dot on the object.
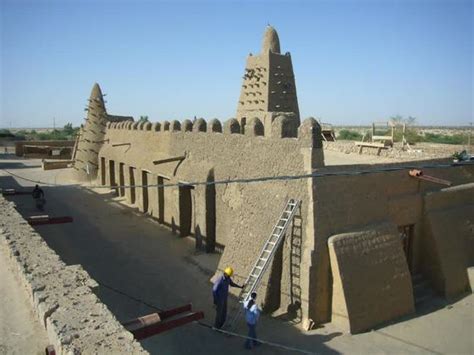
(252, 313)
(220, 292)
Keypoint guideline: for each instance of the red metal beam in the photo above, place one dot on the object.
(163, 326)
(10, 192)
(40, 220)
(141, 322)
(172, 312)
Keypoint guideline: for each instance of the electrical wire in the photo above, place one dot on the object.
(315, 174)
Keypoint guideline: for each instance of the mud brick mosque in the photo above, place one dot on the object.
(360, 244)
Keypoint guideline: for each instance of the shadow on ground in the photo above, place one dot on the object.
(17, 165)
(139, 264)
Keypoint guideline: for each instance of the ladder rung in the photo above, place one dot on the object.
(272, 243)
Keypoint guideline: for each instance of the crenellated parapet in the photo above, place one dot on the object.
(282, 126)
(254, 128)
(156, 127)
(232, 126)
(199, 125)
(175, 126)
(214, 126)
(187, 126)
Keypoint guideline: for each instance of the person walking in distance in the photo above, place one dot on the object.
(38, 196)
(220, 292)
(252, 313)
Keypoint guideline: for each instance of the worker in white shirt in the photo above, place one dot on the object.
(252, 313)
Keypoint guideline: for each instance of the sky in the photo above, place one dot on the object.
(355, 61)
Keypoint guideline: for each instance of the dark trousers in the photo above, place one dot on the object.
(221, 313)
(252, 336)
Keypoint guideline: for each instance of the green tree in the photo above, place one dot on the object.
(68, 129)
(143, 119)
(400, 120)
(348, 135)
(5, 131)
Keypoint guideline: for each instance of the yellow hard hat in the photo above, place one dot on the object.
(229, 271)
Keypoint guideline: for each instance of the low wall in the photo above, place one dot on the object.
(20, 151)
(449, 233)
(61, 295)
(374, 288)
(418, 152)
(56, 164)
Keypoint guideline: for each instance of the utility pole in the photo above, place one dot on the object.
(469, 139)
(54, 123)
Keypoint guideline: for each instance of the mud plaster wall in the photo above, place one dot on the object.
(349, 203)
(61, 295)
(449, 232)
(371, 280)
(244, 213)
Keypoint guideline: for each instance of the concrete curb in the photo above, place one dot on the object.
(62, 296)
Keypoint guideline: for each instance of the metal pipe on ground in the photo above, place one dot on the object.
(45, 219)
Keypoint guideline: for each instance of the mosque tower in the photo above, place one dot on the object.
(91, 137)
(268, 87)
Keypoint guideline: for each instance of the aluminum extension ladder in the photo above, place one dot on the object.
(266, 255)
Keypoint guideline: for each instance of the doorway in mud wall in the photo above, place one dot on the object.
(406, 236)
(210, 213)
(161, 199)
(145, 191)
(131, 172)
(185, 210)
(102, 170)
(122, 179)
(113, 182)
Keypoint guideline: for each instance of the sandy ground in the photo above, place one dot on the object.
(134, 258)
(340, 158)
(20, 330)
